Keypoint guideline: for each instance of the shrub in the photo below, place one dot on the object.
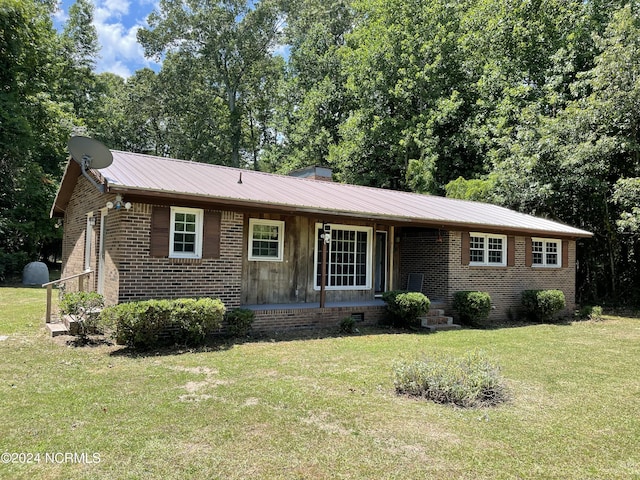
(348, 325)
(542, 305)
(473, 307)
(405, 308)
(469, 381)
(155, 323)
(84, 308)
(239, 321)
(591, 313)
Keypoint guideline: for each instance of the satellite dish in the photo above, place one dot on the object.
(90, 153)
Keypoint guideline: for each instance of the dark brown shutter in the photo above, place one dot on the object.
(528, 252)
(211, 241)
(511, 251)
(160, 228)
(565, 253)
(465, 254)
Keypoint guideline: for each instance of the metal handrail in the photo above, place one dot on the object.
(50, 285)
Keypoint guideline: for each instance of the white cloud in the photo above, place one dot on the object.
(120, 51)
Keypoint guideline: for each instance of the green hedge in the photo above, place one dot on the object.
(472, 307)
(405, 308)
(542, 305)
(155, 323)
(239, 321)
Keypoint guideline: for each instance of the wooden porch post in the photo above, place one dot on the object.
(48, 315)
(323, 273)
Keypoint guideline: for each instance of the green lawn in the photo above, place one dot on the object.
(316, 408)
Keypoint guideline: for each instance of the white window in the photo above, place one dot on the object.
(488, 250)
(349, 257)
(266, 240)
(546, 252)
(186, 233)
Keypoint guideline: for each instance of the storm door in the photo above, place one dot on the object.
(381, 262)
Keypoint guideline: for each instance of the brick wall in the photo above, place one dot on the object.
(425, 251)
(308, 318)
(143, 277)
(505, 284)
(86, 198)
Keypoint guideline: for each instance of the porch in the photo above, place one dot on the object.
(298, 316)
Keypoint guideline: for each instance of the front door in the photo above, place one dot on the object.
(381, 262)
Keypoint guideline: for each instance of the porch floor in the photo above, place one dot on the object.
(301, 306)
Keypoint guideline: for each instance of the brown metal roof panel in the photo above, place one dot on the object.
(170, 175)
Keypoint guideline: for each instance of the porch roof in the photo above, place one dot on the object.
(152, 177)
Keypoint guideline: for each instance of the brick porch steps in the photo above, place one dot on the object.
(435, 319)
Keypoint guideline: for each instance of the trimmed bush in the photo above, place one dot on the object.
(542, 305)
(155, 323)
(469, 381)
(473, 307)
(405, 308)
(239, 321)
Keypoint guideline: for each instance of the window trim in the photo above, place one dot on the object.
(544, 263)
(88, 241)
(485, 262)
(369, 257)
(262, 221)
(199, 213)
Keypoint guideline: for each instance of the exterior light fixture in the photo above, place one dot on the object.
(119, 204)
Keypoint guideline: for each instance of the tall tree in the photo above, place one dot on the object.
(80, 42)
(34, 125)
(227, 38)
(314, 98)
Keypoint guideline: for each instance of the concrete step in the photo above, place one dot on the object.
(442, 327)
(72, 324)
(436, 320)
(56, 329)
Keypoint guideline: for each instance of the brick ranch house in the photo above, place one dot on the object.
(252, 239)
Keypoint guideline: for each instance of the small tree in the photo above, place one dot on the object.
(84, 308)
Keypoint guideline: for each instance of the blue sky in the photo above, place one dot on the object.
(117, 22)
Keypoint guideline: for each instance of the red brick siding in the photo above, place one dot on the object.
(426, 252)
(142, 276)
(505, 284)
(307, 318)
(86, 198)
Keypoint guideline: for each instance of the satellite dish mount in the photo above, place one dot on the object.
(90, 153)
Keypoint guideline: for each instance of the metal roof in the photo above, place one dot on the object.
(162, 176)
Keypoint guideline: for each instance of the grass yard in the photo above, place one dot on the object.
(316, 408)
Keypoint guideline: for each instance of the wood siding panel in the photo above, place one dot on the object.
(160, 228)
